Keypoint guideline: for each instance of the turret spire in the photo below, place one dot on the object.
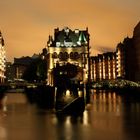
(1, 39)
(2, 59)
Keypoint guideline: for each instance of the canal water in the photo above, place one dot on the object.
(109, 116)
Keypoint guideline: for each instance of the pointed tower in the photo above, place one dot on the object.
(2, 59)
(82, 39)
(1, 39)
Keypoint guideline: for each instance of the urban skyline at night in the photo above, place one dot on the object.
(26, 25)
(69, 70)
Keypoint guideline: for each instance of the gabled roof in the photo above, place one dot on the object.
(76, 37)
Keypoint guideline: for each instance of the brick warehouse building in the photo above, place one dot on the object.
(122, 64)
(69, 46)
(103, 66)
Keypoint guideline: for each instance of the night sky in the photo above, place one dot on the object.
(26, 24)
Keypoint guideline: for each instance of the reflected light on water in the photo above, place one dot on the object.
(4, 108)
(85, 117)
(135, 107)
(4, 101)
(68, 121)
(109, 95)
(110, 116)
(54, 120)
(68, 128)
(104, 97)
(3, 133)
(114, 96)
(106, 102)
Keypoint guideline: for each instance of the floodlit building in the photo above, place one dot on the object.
(103, 66)
(126, 59)
(120, 52)
(69, 46)
(2, 59)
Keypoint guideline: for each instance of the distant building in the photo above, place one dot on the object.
(120, 52)
(125, 59)
(124, 63)
(68, 46)
(103, 66)
(10, 72)
(14, 71)
(128, 57)
(2, 59)
(136, 41)
(21, 64)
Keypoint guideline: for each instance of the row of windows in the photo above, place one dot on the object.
(65, 55)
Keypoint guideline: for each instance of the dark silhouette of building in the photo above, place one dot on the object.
(27, 66)
(20, 65)
(136, 43)
(125, 59)
(128, 57)
(2, 59)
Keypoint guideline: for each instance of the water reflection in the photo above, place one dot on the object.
(106, 101)
(109, 115)
(3, 133)
(123, 110)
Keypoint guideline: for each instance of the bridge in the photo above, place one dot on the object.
(118, 83)
(18, 85)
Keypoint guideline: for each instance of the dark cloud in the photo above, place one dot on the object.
(103, 49)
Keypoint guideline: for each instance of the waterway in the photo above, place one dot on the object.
(109, 116)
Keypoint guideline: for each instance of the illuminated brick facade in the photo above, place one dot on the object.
(103, 66)
(68, 46)
(125, 59)
(120, 52)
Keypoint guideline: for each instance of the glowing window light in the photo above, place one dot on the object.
(68, 93)
(85, 118)
(80, 93)
(68, 121)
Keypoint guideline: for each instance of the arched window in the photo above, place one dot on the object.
(71, 55)
(66, 55)
(76, 55)
(54, 55)
(60, 55)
